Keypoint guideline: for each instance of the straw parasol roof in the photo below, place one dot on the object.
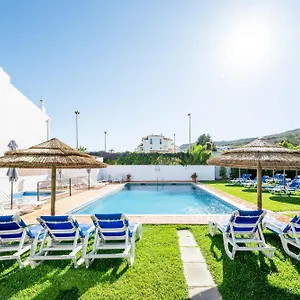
(51, 154)
(269, 155)
(48, 154)
(259, 154)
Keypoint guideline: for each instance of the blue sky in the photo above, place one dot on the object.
(134, 68)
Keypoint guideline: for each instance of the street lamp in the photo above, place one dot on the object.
(190, 129)
(105, 132)
(174, 142)
(77, 113)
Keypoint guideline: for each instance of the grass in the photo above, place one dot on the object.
(250, 275)
(290, 215)
(269, 201)
(157, 273)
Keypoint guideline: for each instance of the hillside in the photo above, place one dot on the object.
(273, 138)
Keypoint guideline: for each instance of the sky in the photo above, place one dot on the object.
(134, 68)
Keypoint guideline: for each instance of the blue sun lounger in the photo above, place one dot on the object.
(113, 232)
(16, 238)
(289, 234)
(243, 227)
(63, 234)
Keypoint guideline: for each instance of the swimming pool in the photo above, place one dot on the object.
(158, 199)
(32, 196)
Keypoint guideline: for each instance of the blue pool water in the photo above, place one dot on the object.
(32, 195)
(158, 199)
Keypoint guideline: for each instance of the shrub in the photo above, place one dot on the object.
(223, 173)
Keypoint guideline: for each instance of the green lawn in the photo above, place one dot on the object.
(270, 201)
(157, 273)
(250, 275)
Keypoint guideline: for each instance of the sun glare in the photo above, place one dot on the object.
(247, 45)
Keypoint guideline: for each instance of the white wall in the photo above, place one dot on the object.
(73, 173)
(20, 119)
(151, 172)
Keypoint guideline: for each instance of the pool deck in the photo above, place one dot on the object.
(65, 205)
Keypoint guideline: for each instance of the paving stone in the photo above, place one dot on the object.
(187, 242)
(207, 293)
(184, 233)
(197, 275)
(191, 254)
(186, 239)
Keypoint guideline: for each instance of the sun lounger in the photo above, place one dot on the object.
(16, 238)
(62, 234)
(93, 184)
(243, 227)
(289, 234)
(113, 232)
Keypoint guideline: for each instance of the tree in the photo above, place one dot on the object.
(198, 155)
(203, 139)
(223, 173)
(287, 144)
(292, 139)
(82, 149)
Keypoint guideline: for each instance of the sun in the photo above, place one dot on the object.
(247, 44)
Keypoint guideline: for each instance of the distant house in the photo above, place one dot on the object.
(20, 119)
(157, 143)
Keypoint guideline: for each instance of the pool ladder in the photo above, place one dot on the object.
(157, 181)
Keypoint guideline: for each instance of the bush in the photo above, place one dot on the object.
(223, 173)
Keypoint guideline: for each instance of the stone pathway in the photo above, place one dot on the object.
(199, 281)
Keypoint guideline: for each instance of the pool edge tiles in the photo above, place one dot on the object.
(222, 205)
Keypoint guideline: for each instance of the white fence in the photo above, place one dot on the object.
(152, 172)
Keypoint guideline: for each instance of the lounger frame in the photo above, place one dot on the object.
(289, 235)
(243, 229)
(53, 241)
(20, 243)
(102, 241)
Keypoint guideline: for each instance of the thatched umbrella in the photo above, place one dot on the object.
(51, 154)
(259, 155)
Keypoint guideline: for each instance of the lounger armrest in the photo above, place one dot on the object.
(90, 230)
(133, 228)
(272, 225)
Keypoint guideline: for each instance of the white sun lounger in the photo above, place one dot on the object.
(93, 184)
(16, 238)
(243, 227)
(289, 234)
(63, 234)
(113, 232)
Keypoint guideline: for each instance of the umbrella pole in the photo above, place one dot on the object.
(53, 190)
(11, 194)
(259, 184)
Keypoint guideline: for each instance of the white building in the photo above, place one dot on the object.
(156, 143)
(20, 119)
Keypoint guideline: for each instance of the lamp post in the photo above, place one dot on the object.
(190, 129)
(174, 142)
(77, 113)
(105, 132)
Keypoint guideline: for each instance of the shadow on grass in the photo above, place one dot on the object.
(59, 279)
(287, 199)
(246, 277)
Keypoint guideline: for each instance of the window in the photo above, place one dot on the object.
(160, 141)
(150, 141)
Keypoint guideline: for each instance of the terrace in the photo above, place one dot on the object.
(158, 261)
